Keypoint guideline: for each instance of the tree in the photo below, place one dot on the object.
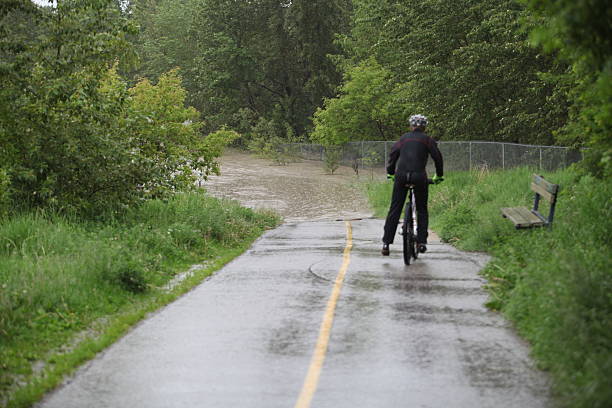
(365, 108)
(55, 120)
(164, 42)
(465, 64)
(265, 56)
(581, 32)
(164, 139)
(72, 136)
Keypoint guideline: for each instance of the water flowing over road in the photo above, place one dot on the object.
(312, 315)
(299, 191)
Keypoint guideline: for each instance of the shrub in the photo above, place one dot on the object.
(333, 155)
(5, 195)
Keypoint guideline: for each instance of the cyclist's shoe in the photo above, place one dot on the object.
(437, 180)
(422, 248)
(385, 250)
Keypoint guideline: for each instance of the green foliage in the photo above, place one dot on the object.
(371, 160)
(560, 303)
(267, 139)
(5, 193)
(577, 28)
(379, 196)
(57, 124)
(554, 284)
(164, 42)
(213, 147)
(365, 108)
(165, 140)
(333, 155)
(59, 275)
(581, 32)
(266, 56)
(465, 64)
(73, 137)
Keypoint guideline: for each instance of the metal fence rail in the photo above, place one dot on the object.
(457, 155)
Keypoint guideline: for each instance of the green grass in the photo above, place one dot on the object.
(65, 279)
(555, 285)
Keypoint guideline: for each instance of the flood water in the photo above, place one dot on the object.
(299, 191)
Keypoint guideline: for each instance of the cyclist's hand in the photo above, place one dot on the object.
(391, 177)
(437, 180)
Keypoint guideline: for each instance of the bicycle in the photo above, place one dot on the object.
(409, 226)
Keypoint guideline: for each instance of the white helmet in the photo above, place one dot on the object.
(418, 121)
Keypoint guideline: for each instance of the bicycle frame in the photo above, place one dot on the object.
(410, 225)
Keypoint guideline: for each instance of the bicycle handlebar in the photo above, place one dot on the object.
(435, 180)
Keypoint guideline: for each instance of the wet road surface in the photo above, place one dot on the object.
(416, 336)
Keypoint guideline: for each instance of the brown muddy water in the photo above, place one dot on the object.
(299, 191)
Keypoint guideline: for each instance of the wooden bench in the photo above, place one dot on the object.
(523, 217)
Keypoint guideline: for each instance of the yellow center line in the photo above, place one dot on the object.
(316, 364)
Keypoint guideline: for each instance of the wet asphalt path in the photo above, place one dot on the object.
(416, 336)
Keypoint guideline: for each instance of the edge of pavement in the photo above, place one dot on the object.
(61, 364)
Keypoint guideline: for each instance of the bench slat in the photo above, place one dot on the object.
(542, 192)
(547, 185)
(522, 217)
(544, 188)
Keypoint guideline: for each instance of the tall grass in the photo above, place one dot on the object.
(58, 275)
(554, 284)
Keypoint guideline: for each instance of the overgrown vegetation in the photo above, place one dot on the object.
(60, 275)
(523, 71)
(90, 139)
(331, 160)
(98, 208)
(554, 284)
(581, 33)
(466, 64)
(248, 60)
(74, 136)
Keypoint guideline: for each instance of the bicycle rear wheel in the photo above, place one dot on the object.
(413, 231)
(408, 238)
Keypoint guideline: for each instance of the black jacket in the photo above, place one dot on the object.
(411, 152)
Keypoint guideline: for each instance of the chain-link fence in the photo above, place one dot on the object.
(457, 155)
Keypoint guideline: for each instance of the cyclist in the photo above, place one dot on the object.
(407, 161)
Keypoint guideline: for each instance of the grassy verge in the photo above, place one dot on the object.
(555, 285)
(69, 288)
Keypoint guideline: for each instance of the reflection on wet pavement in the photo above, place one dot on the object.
(402, 336)
(297, 191)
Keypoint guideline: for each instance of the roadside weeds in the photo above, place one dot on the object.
(72, 287)
(553, 284)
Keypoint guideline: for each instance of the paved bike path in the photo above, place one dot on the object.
(416, 336)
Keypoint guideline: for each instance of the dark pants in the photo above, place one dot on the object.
(398, 199)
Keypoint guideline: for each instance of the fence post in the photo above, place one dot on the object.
(385, 157)
(470, 156)
(503, 156)
(361, 156)
(540, 158)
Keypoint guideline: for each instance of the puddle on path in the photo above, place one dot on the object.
(298, 191)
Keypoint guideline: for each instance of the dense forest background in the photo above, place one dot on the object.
(534, 72)
(87, 85)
